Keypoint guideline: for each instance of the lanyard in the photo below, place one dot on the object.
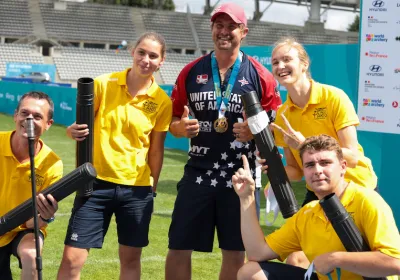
(310, 270)
(222, 101)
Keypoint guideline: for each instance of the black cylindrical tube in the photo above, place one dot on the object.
(85, 115)
(59, 190)
(258, 122)
(344, 226)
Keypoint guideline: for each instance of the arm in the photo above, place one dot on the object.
(183, 126)
(253, 238)
(368, 264)
(293, 170)
(349, 143)
(156, 155)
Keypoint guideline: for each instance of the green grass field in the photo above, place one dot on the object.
(104, 263)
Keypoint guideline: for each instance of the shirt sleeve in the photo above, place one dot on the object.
(379, 225)
(270, 99)
(285, 241)
(164, 116)
(179, 94)
(342, 110)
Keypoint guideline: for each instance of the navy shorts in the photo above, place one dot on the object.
(11, 249)
(90, 218)
(198, 211)
(281, 271)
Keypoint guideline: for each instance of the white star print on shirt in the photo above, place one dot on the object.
(230, 165)
(209, 172)
(216, 165)
(222, 174)
(199, 180)
(214, 182)
(249, 155)
(233, 146)
(224, 156)
(229, 184)
(239, 156)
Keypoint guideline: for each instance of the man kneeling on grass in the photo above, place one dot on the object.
(310, 231)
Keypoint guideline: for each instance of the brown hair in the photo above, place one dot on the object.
(38, 95)
(293, 43)
(321, 143)
(155, 37)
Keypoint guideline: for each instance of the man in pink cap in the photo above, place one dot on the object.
(209, 89)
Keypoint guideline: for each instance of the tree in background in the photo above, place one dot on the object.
(161, 4)
(355, 26)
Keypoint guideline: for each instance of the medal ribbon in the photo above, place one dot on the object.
(223, 100)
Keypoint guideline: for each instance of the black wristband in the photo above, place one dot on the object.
(47, 220)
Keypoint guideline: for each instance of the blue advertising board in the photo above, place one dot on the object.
(18, 69)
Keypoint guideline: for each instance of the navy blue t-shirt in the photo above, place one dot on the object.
(214, 156)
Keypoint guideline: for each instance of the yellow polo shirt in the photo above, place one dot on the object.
(122, 128)
(328, 110)
(309, 231)
(15, 179)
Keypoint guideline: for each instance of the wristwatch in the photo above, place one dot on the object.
(48, 220)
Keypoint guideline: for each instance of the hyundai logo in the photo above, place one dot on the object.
(375, 68)
(378, 3)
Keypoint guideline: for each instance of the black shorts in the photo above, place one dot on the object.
(198, 211)
(11, 249)
(91, 216)
(281, 271)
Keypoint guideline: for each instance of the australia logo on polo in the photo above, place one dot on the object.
(243, 82)
(320, 113)
(149, 106)
(39, 179)
(202, 79)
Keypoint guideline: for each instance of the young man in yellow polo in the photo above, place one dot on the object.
(15, 184)
(310, 231)
(132, 117)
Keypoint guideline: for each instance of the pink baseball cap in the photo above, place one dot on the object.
(231, 9)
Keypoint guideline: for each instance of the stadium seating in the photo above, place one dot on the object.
(88, 22)
(18, 53)
(74, 63)
(172, 25)
(15, 20)
(110, 24)
(173, 65)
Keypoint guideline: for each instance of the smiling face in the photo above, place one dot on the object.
(38, 109)
(147, 57)
(288, 67)
(323, 171)
(227, 34)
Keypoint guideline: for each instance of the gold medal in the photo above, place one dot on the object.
(221, 125)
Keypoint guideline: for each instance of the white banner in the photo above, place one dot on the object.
(379, 73)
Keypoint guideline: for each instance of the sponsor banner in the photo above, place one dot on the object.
(37, 73)
(379, 71)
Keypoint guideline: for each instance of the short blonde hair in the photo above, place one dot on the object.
(293, 43)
